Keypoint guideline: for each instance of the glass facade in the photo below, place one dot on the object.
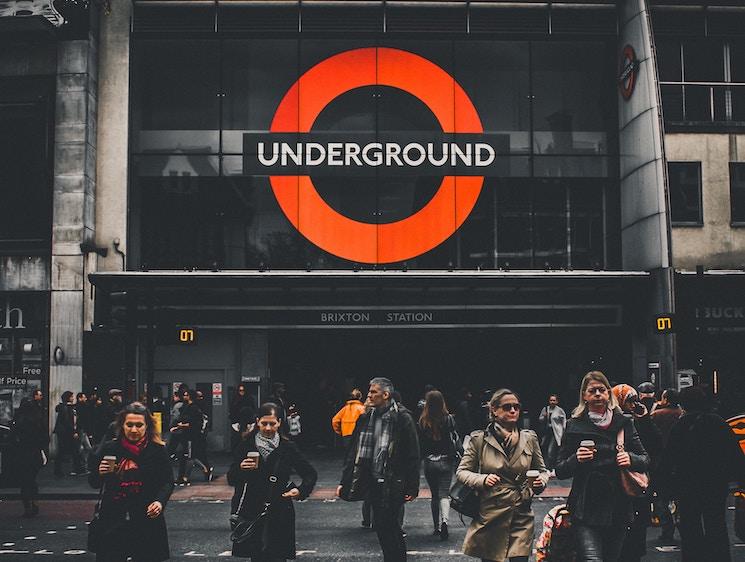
(547, 109)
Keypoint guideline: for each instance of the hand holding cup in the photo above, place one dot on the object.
(586, 451)
(107, 465)
(251, 462)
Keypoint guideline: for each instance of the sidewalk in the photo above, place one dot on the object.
(327, 463)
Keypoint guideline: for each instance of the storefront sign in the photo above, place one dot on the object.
(628, 72)
(13, 382)
(217, 394)
(318, 221)
(721, 318)
(11, 317)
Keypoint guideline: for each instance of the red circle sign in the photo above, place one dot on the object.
(629, 68)
(364, 242)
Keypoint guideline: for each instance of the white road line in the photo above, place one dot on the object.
(29, 538)
(71, 527)
(51, 532)
(668, 548)
(44, 551)
(419, 552)
(9, 544)
(193, 553)
(452, 552)
(74, 552)
(302, 552)
(13, 551)
(226, 553)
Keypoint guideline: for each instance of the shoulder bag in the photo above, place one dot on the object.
(463, 498)
(634, 484)
(106, 534)
(243, 528)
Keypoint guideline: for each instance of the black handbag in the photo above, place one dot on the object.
(464, 499)
(244, 529)
(106, 533)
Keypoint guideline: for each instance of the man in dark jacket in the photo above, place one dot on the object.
(383, 461)
(68, 438)
(701, 458)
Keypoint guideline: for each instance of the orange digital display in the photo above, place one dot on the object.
(351, 239)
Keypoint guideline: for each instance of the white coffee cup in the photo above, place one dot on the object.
(587, 444)
(110, 460)
(252, 455)
(531, 475)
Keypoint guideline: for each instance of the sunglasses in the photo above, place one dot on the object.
(511, 406)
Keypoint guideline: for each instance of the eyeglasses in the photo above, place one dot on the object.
(511, 406)
(596, 390)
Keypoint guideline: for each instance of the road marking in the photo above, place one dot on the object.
(193, 553)
(29, 538)
(226, 553)
(9, 544)
(329, 500)
(217, 501)
(668, 548)
(13, 551)
(44, 551)
(301, 552)
(51, 532)
(452, 552)
(419, 552)
(74, 552)
(71, 527)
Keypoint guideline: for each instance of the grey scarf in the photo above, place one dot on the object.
(266, 446)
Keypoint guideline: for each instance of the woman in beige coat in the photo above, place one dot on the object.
(504, 527)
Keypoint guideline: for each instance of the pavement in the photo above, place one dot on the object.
(197, 516)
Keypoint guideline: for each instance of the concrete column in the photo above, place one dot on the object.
(113, 133)
(74, 208)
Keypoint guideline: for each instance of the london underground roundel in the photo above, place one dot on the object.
(364, 242)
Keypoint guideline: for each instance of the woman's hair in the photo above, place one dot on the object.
(596, 376)
(138, 408)
(496, 398)
(66, 395)
(356, 394)
(434, 414)
(267, 409)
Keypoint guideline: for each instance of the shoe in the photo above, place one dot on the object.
(209, 475)
(444, 532)
(404, 534)
(366, 524)
(436, 533)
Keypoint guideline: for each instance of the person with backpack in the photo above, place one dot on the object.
(701, 458)
(506, 466)
(601, 511)
(346, 418)
(438, 446)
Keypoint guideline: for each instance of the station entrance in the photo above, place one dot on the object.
(320, 367)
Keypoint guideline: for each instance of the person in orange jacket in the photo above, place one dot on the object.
(346, 418)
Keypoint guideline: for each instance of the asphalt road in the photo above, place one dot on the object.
(326, 530)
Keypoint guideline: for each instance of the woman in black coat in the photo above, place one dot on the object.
(135, 489)
(266, 479)
(601, 510)
(31, 438)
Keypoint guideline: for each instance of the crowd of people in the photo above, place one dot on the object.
(615, 431)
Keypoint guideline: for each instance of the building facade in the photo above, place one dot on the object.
(466, 194)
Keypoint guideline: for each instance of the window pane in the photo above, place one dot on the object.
(587, 226)
(672, 102)
(737, 61)
(738, 103)
(25, 187)
(175, 96)
(668, 61)
(737, 191)
(697, 103)
(685, 192)
(514, 226)
(572, 109)
(703, 60)
(550, 225)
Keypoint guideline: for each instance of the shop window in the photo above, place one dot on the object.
(685, 193)
(25, 178)
(737, 192)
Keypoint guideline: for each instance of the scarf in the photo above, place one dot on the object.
(375, 439)
(603, 420)
(134, 448)
(266, 446)
(130, 477)
(507, 438)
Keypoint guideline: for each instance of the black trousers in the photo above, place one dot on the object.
(703, 529)
(28, 485)
(387, 524)
(67, 446)
(598, 544)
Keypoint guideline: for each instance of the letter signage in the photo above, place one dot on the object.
(292, 151)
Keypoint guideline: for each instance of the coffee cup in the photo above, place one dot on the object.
(252, 455)
(531, 475)
(587, 444)
(110, 461)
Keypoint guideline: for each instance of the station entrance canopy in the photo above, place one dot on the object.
(131, 302)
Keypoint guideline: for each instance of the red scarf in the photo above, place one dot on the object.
(134, 448)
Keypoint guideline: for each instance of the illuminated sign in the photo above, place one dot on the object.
(187, 336)
(664, 324)
(340, 235)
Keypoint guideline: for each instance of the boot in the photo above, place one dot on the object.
(27, 509)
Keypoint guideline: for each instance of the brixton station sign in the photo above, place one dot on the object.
(291, 155)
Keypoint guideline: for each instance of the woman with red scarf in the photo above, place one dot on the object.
(135, 476)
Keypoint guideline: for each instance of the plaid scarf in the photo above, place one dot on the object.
(373, 447)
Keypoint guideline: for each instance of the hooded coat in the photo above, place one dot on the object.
(278, 538)
(504, 526)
